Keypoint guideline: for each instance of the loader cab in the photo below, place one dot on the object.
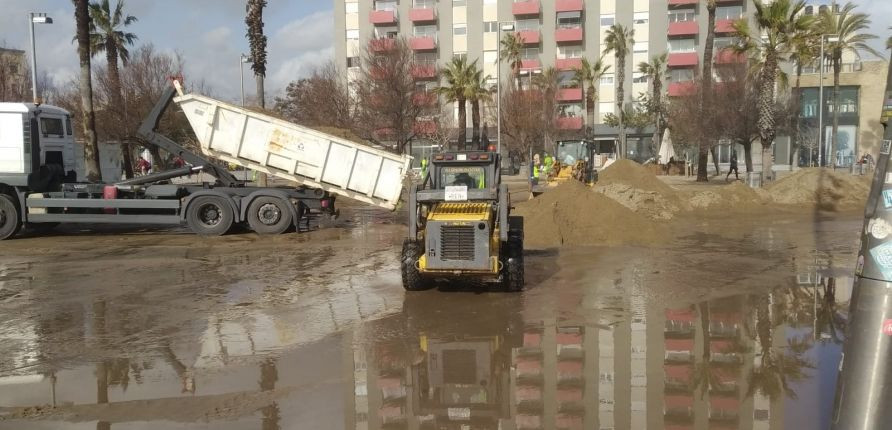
(473, 169)
(32, 136)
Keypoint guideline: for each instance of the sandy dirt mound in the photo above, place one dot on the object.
(637, 188)
(736, 196)
(822, 187)
(573, 214)
(630, 173)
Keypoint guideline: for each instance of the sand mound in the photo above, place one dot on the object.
(572, 214)
(736, 196)
(637, 188)
(822, 187)
(634, 175)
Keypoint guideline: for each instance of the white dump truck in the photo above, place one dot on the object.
(40, 189)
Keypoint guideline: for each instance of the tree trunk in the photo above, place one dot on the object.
(261, 96)
(462, 124)
(114, 77)
(794, 119)
(706, 75)
(475, 123)
(703, 163)
(715, 161)
(658, 117)
(834, 134)
(766, 120)
(88, 118)
(620, 98)
(585, 110)
(748, 155)
(767, 170)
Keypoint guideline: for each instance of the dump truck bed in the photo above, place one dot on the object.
(295, 153)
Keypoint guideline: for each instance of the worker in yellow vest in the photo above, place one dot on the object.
(423, 168)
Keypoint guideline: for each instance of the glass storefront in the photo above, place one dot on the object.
(845, 150)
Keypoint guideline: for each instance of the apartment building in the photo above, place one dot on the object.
(556, 33)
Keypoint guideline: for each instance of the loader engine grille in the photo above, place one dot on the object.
(457, 242)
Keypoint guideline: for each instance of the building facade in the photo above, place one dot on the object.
(556, 33)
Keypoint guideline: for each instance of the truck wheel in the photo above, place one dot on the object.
(269, 215)
(512, 276)
(411, 276)
(10, 219)
(209, 216)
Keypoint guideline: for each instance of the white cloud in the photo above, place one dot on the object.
(299, 47)
(216, 37)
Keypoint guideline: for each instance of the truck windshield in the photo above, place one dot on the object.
(470, 176)
(570, 152)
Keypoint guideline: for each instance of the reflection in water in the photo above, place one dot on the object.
(737, 362)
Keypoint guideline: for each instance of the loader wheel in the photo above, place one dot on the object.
(10, 220)
(209, 216)
(512, 276)
(269, 215)
(411, 276)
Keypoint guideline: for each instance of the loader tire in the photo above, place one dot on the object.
(269, 215)
(512, 276)
(10, 219)
(412, 280)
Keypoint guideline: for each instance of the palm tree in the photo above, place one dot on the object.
(848, 27)
(777, 24)
(478, 91)
(512, 45)
(655, 70)
(805, 48)
(257, 40)
(889, 41)
(107, 35)
(459, 76)
(587, 77)
(88, 117)
(619, 41)
(706, 143)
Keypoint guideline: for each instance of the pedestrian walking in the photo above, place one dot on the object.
(732, 167)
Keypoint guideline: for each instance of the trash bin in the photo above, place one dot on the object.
(754, 179)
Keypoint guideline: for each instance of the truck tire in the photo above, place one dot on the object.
(209, 216)
(269, 215)
(512, 276)
(411, 276)
(10, 219)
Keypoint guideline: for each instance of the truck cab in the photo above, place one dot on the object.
(31, 137)
(460, 226)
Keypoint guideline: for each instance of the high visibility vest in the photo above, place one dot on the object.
(536, 171)
(480, 182)
(423, 167)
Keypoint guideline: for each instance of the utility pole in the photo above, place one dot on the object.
(862, 390)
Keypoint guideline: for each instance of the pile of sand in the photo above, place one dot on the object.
(637, 188)
(821, 187)
(572, 214)
(736, 196)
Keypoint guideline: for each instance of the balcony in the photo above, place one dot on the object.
(382, 45)
(530, 63)
(382, 17)
(423, 15)
(569, 123)
(423, 43)
(568, 63)
(727, 56)
(564, 35)
(424, 98)
(686, 28)
(568, 6)
(569, 94)
(525, 7)
(724, 26)
(424, 71)
(683, 59)
(529, 37)
(680, 89)
(683, 2)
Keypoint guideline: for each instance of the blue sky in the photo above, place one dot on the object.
(210, 34)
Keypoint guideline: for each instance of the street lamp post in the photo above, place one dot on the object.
(503, 26)
(35, 18)
(829, 38)
(241, 70)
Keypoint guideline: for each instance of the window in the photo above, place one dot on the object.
(728, 12)
(809, 10)
(639, 48)
(472, 177)
(68, 125)
(529, 53)
(491, 27)
(682, 15)
(569, 110)
(352, 61)
(490, 57)
(490, 1)
(720, 43)
(352, 7)
(569, 52)
(460, 29)
(527, 24)
(606, 79)
(352, 34)
(385, 5)
(641, 17)
(459, 3)
(460, 56)
(639, 78)
(605, 107)
(607, 20)
(565, 79)
(386, 32)
(682, 45)
(425, 4)
(51, 126)
(424, 31)
(569, 19)
(681, 75)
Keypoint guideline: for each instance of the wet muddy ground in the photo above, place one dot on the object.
(737, 324)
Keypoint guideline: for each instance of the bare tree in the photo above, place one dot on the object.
(322, 99)
(528, 119)
(385, 90)
(91, 146)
